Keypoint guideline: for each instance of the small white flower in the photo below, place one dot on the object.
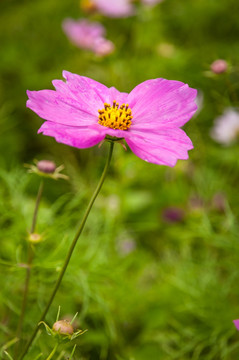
(226, 127)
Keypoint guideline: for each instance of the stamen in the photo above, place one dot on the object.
(115, 116)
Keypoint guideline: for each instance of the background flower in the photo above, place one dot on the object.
(226, 127)
(119, 8)
(219, 66)
(173, 214)
(88, 35)
(103, 47)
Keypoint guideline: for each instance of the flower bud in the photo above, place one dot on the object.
(63, 327)
(219, 202)
(173, 214)
(34, 238)
(219, 66)
(46, 166)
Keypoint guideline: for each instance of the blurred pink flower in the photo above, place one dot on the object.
(103, 47)
(236, 323)
(82, 112)
(226, 127)
(114, 8)
(88, 35)
(173, 214)
(219, 66)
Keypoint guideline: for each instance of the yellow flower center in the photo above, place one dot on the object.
(115, 117)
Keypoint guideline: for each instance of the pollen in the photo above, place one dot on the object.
(115, 116)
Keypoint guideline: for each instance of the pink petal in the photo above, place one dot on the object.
(60, 108)
(88, 91)
(236, 323)
(78, 137)
(161, 101)
(76, 29)
(75, 102)
(91, 92)
(117, 8)
(164, 147)
(112, 132)
(120, 97)
(88, 35)
(103, 47)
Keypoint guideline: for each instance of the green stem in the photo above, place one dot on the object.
(38, 199)
(68, 257)
(53, 352)
(28, 270)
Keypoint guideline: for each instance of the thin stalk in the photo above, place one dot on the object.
(72, 247)
(38, 199)
(28, 270)
(53, 352)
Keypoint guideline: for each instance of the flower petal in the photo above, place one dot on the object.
(161, 101)
(82, 137)
(86, 88)
(120, 97)
(90, 92)
(164, 147)
(119, 8)
(75, 102)
(78, 29)
(58, 107)
(236, 323)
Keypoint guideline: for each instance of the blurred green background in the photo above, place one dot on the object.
(155, 274)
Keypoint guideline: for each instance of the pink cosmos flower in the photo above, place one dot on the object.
(114, 8)
(236, 323)
(82, 112)
(88, 35)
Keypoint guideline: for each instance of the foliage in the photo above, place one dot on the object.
(144, 287)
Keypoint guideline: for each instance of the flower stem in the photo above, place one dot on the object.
(73, 244)
(53, 352)
(28, 269)
(38, 199)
